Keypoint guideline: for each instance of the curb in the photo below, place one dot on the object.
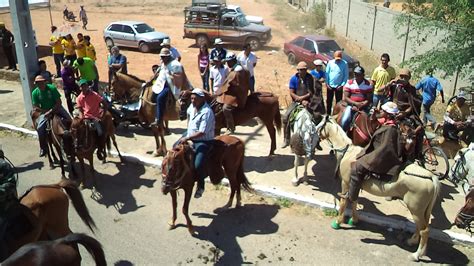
(382, 221)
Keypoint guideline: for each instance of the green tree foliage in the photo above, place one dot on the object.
(455, 49)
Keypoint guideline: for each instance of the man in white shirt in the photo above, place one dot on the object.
(248, 60)
(217, 75)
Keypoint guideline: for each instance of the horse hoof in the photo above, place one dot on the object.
(335, 225)
(351, 222)
(171, 226)
(295, 183)
(51, 167)
(414, 257)
(191, 230)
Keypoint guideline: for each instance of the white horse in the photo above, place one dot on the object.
(303, 142)
(419, 194)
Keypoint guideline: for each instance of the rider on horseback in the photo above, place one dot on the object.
(201, 133)
(47, 101)
(8, 198)
(234, 91)
(91, 107)
(382, 156)
(357, 95)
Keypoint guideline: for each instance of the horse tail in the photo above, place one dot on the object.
(277, 119)
(242, 179)
(92, 245)
(78, 202)
(434, 196)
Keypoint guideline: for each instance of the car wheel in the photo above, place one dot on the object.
(109, 42)
(202, 40)
(144, 47)
(254, 43)
(291, 58)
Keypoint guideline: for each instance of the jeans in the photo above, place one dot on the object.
(58, 60)
(427, 115)
(8, 51)
(378, 98)
(252, 84)
(161, 103)
(72, 58)
(330, 95)
(201, 149)
(205, 79)
(70, 104)
(42, 124)
(347, 116)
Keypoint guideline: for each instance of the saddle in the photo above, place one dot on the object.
(214, 160)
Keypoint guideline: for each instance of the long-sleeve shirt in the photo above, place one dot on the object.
(337, 73)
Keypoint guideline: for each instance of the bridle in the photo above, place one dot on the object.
(322, 127)
(177, 182)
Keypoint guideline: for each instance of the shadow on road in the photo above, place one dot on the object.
(29, 166)
(440, 220)
(227, 226)
(264, 164)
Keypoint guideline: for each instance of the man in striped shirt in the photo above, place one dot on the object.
(357, 95)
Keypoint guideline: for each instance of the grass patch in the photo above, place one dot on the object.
(283, 202)
(330, 212)
(311, 22)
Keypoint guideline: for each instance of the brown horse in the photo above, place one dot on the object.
(83, 141)
(126, 88)
(465, 215)
(178, 172)
(363, 127)
(62, 251)
(263, 105)
(47, 213)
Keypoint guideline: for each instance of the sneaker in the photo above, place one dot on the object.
(42, 153)
(198, 193)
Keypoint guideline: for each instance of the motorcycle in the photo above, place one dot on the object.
(125, 114)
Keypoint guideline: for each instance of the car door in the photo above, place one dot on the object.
(309, 51)
(129, 36)
(227, 29)
(115, 32)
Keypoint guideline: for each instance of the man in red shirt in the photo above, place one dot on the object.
(91, 107)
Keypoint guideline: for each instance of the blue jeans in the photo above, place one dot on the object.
(348, 115)
(161, 103)
(42, 125)
(427, 115)
(378, 98)
(205, 80)
(201, 149)
(252, 84)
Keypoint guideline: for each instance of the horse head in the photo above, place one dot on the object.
(466, 213)
(176, 166)
(184, 102)
(79, 135)
(329, 129)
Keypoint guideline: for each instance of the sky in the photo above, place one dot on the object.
(5, 3)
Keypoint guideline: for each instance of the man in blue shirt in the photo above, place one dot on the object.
(337, 74)
(117, 62)
(429, 85)
(200, 131)
(318, 73)
(218, 51)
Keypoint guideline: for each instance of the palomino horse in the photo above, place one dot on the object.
(466, 213)
(83, 141)
(48, 213)
(363, 126)
(263, 105)
(56, 129)
(419, 194)
(178, 172)
(62, 251)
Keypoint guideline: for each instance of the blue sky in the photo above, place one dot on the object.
(5, 3)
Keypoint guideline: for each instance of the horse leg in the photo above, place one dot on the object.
(50, 160)
(172, 223)
(84, 176)
(421, 251)
(233, 187)
(91, 164)
(116, 147)
(271, 131)
(305, 174)
(355, 215)
(336, 224)
(295, 179)
(156, 134)
(187, 199)
(162, 150)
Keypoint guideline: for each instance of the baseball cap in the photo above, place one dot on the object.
(199, 92)
(165, 52)
(461, 94)
(82, 82)
(302, 65)
(39, 78)
(390, 107)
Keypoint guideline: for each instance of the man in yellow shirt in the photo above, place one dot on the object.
(457, 119)
(90, 50)
(69, 46)
(80, 46)
(58, 51)
(381, 78)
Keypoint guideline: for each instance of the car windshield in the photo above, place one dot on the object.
(143, 28)
(239, 11)
(242, 21)
(328, 47)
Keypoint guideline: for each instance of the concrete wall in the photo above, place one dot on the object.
(372, 27)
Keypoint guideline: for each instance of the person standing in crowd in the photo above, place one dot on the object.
(117, 62)
(429, 85)
(337, 74)
(80, 46)
(381, 78)
(88, 70)
(83, 17)
(58, 51)
(69, 84)
(204, 64)
(318, 73)
(248, 60)
(43, 71)
(90, 49)
(174, 52)
(218, 74)
(8, 46)
(218, 50)
(69, 46)
(457, 120)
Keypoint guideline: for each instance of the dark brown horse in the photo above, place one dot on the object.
(62, 251)
(47, 213)
(363, 127)
(263, 105)
(83, 141)
(465, 215)
(226, 159)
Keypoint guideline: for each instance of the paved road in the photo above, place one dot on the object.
(132, 214)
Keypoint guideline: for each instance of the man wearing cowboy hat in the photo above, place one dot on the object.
(383, 155)
(47, 101)
(457, 119)
(337, 74)
(219, 50)
(201, 124)
(174, 52)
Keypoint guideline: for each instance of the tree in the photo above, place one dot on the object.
(454, 51)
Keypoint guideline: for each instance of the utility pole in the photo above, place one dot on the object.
(25, 49)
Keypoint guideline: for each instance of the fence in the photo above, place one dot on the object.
(372, 27)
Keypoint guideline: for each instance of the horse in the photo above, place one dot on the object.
(62, 251)
(46, 210)
(363, 125)
(83, 141)
(263, 105)
(465, 215)
(126, 88)
(419, 194)
(226, 158)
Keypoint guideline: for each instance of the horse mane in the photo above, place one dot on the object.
(130, 76)
(339, 132)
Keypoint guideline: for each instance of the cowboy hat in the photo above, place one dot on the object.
(199, 92)
(391, 108)
(218, 41)
(302, 65)
(165, 52)
(166, 42)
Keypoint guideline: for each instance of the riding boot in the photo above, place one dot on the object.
(229, 118)
(358, 174)
(43, 145)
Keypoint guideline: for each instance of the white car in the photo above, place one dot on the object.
(233, 9)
